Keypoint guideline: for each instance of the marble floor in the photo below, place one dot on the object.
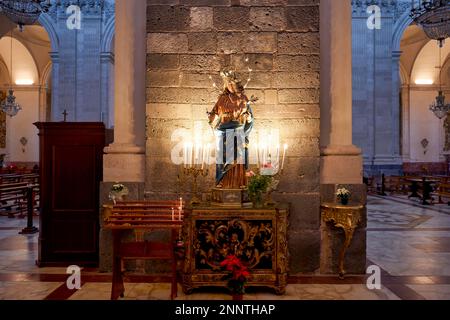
(409, 242)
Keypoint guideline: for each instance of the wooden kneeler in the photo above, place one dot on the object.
(141, 219)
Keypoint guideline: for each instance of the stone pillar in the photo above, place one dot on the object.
(406, 145)
(107, 111)
(125, 158)
(55, 85)
(396, 91)
(341, 161)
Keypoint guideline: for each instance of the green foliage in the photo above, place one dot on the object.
(258, 184)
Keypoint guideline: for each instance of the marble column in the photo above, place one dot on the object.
(125, 158)
(341, 161)
(54, 56)
(406, 134)
(396, 91)
(107, 69)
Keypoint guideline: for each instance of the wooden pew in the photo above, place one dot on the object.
(442, 191)
(15, 195)
(142, 216)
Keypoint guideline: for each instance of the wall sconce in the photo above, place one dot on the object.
(24, 142)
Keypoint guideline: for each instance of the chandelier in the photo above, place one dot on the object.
(23, 12)
(433, 16)
(10, 106)
(439, 107)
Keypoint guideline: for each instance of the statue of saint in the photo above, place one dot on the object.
(232, 121)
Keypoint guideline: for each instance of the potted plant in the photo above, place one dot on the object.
(257, 185)
(343, 195)
(238, 275)
(117, 192)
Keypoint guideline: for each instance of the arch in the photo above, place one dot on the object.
(17, 36)
(108, 36)
(404, 77)
(46, 21)
(446, 72)
(427, 59)
(4, 71)
(46, 73)
(402, 23)
(27, 68)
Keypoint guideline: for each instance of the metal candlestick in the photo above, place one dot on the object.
(195, 173)
(274, 185)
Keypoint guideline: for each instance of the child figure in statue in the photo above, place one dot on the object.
(232, 121)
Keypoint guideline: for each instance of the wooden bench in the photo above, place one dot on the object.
(141, 217)
(15, 195)
(442, 191)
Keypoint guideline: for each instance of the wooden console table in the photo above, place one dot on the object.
(346, 217)
(256, 236)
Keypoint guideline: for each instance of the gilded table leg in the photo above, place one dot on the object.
(348, 238)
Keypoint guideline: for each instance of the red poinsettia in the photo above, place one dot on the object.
(238, 274)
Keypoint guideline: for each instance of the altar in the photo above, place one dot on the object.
(255, 236)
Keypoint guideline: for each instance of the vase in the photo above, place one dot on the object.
(344, 201)
(257, 200)
(237, 297)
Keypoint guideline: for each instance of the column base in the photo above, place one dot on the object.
(341, 165)
(123, 162)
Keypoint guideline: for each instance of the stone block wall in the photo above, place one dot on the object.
(188, 42)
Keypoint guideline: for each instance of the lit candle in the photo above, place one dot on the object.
(277, 157)
(173, 214)
(185, 157)
(203, 157)
(179, 213)
(207, 152)
(257, 154)
(191, 157)
(181, 202)
(284, 156)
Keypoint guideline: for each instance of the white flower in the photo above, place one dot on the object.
(342, 192)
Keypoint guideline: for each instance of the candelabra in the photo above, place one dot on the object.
(195, 173)
(273, 186)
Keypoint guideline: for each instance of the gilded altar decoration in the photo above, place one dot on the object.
(257, 237)
(250, 241)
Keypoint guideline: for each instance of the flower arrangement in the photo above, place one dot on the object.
(238, 274)
(257, 185)
(117, 192)
(343, 195)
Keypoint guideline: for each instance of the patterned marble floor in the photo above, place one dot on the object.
(409, 242)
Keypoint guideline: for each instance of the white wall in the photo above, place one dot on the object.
(424, 124)
(22, 126)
